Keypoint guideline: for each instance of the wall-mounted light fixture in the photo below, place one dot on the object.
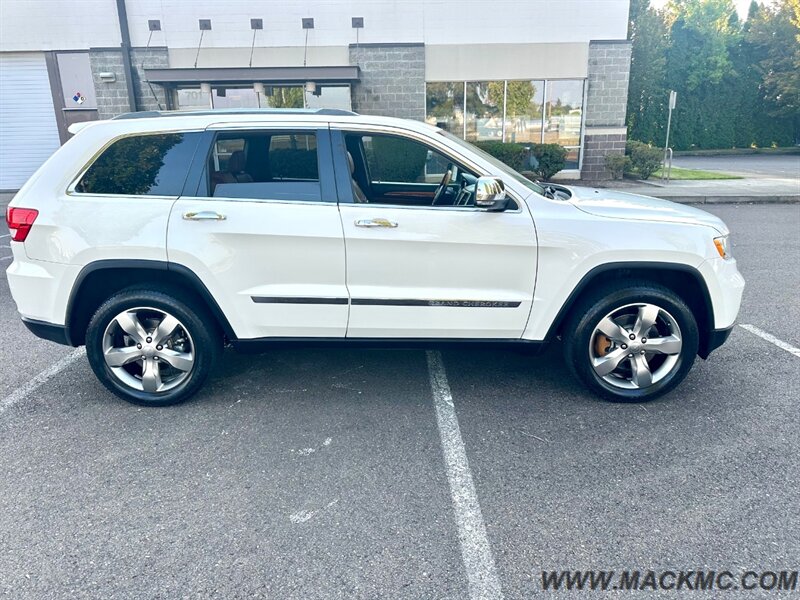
(205, 25)
(307, 24)
(154, 25)
(258, 88)
(256, 25)
(357, 23)
(205, 88)
(107, 77)
(311, 87)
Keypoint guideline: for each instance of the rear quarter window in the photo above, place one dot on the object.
(142, 165)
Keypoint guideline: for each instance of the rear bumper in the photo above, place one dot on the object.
(714, 339)
(48, 331)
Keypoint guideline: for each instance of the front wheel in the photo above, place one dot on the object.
(151, 348)
(632, 344)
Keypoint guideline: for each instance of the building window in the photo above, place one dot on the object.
(444, 106)
(563, 115)
(484, 110)
(274, 96)
(524, 101)
(526, 111)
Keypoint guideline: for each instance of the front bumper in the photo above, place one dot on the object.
(713, 340)
(725, 286)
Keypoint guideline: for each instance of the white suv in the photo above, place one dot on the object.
(156, 238)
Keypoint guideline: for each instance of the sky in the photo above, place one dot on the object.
(741, 5)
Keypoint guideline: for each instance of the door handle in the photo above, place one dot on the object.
(204, 215)
(375, 223)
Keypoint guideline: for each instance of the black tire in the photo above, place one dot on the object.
(579, 337)
(203, 333)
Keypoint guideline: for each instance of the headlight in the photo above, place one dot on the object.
(723, 246)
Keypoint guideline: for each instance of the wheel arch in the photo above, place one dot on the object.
(686, 281)
(100, 279)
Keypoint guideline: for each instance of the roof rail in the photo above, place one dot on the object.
(149, 114)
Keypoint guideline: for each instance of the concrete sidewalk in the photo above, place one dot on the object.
(718, 191)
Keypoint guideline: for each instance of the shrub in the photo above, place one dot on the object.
(543, 160)
(617, 164)
(512, 154)
(644, 159)
(551, 158)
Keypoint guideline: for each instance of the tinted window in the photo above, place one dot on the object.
(264, 166)
(397, 159)
(154, 165)
(293, 157)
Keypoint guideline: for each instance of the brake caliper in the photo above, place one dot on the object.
(602, 344)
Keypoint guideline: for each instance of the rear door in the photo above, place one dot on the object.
(259, 224)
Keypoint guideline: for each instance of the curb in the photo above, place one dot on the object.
(730, 199)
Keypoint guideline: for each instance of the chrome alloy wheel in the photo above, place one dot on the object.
(635, 346)
(148, 350)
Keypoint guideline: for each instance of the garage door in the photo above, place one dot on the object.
(28, 131)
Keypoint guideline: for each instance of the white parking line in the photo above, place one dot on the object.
(33, 384)
(771, 339)
(475, 550)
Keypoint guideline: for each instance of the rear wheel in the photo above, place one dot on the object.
(151, 348)
(631, 344)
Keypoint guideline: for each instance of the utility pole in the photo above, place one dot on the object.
(673, 96)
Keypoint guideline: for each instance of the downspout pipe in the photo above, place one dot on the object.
(122, 15)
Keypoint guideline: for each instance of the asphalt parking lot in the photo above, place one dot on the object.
(337, 474)
(749, 165)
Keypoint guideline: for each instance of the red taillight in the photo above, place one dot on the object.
(20, 221)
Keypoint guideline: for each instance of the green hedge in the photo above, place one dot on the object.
(545, 160)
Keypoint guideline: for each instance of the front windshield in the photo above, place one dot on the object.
(497, 163)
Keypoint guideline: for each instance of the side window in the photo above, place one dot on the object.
(397, 160)
(397, 170)
(142, 165)
(293, 157)
(264, 165)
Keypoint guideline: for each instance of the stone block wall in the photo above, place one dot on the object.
(152, 58)
(606, 103)
(392, 80)
(112, 97)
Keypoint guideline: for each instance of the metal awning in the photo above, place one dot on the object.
(233, 75)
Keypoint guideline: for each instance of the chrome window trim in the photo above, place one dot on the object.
(259, 200)
(433, 143)
(71, 191)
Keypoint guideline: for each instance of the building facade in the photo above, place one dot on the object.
(527, 71)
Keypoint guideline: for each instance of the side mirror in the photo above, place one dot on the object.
(490, 193)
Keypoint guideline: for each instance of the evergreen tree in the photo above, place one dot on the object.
(647, 91)
(738, 82)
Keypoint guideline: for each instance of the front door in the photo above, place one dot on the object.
(422, 261)
(262, 230)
